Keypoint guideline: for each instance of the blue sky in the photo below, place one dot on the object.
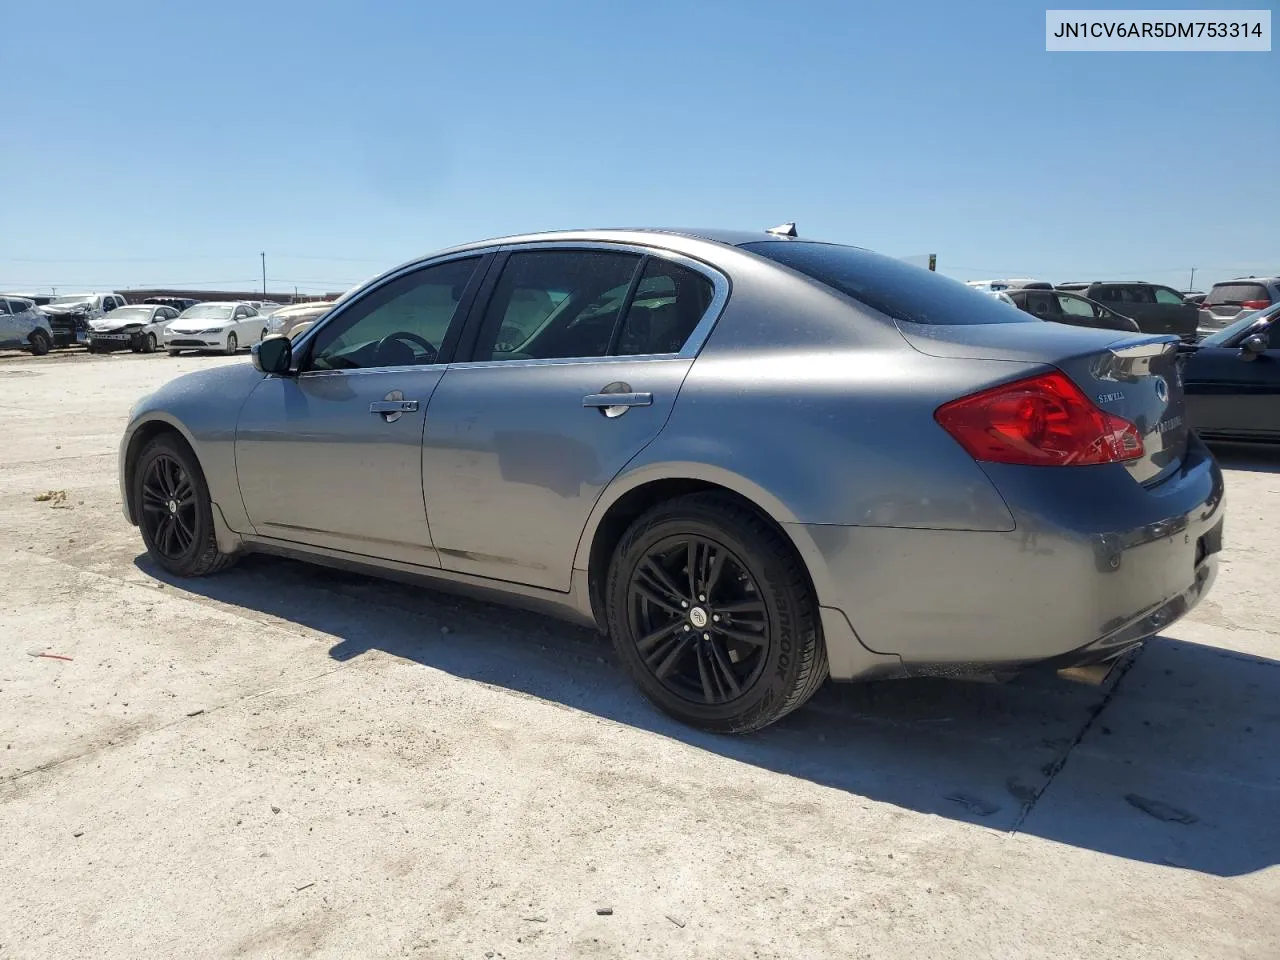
(168, 143)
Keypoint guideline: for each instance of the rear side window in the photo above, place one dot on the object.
(894, 288)
(1236, 293)
(668, 303)
(1137, 294)
(1075, 306)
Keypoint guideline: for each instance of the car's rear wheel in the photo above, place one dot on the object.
(232, 344)
(40, 343)
(174, 512)
(711, 612)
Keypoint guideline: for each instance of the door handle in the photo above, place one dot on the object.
(393, 406)
(617, 400)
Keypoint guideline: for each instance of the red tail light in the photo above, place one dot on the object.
(1045, 420)
(1255, 304)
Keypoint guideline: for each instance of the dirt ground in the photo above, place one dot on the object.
(284, 761)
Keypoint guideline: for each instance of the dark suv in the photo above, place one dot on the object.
(1231, 299)
(1155, 308)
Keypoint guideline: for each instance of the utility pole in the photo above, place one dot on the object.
(263, 255)
(1193, 279)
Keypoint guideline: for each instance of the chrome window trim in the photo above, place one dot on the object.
(701, 330)
(721, 288)
(356, 371)
(395, 273)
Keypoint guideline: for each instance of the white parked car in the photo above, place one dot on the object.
(225, 327)
(138, 327)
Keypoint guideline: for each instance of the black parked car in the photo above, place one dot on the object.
(1155, 308)
(178, 303)
(1063, 307)
(1232, 380)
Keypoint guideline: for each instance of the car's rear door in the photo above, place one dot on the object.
(579, 352)
(331, 455)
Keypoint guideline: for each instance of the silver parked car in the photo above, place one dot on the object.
(754, 460)
(23, 326)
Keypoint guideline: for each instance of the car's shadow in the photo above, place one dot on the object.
(1188, 729)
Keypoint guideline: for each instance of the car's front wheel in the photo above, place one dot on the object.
(149, 343)
(232, 344)
(40, 343)
(711, 611)
(174, 512)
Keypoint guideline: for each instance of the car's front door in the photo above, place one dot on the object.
(577, 363)
(331, 456)
(1230, 395)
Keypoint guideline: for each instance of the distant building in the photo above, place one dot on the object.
(138, 294)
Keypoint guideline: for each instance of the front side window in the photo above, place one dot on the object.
(552, 304)
(402, 323)
(1075, 306)
(1165, 295)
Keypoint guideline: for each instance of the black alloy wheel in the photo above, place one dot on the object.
(701, 625)
(171, 504)
(169, 507)
(711, 612)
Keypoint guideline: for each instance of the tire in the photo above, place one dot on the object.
(742, 669)
(232, 344)
(173, 510)
(40, 343)
(149, 343)
(262, 336)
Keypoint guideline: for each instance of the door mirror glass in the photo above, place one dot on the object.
(273, 355)
(1253, 345)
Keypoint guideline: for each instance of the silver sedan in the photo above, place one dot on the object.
(755, 461)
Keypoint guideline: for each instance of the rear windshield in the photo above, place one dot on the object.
(895, 288)
(1236, 293)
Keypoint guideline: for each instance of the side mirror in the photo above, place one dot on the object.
(1253, 346)
(273, 355)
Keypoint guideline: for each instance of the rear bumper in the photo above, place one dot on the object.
(1095, 564)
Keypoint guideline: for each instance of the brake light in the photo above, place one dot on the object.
(1041, 421)
(1255, 304)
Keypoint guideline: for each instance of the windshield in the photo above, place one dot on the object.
(131, 313)
(79, 299)
(208, 311)
(895, 288)
(1238, 325)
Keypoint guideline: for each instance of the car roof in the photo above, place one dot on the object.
(729, 238)
(1223, 283)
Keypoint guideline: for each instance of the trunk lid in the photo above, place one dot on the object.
(1135, 376)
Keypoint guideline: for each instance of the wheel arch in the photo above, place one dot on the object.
(629, 497)
(141, 435)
